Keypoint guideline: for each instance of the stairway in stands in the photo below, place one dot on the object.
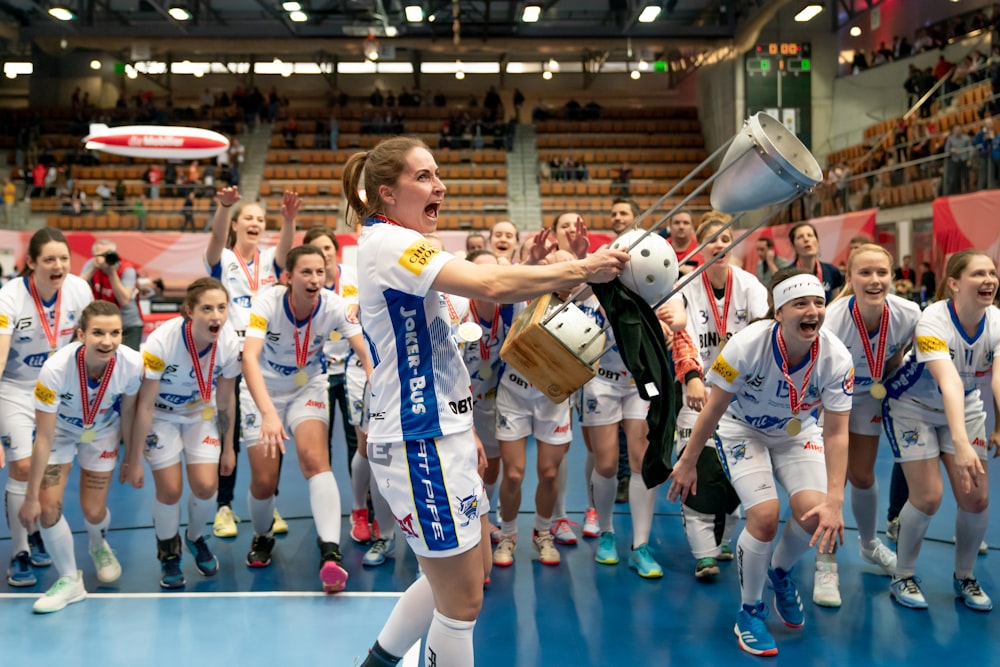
(256, 144)
(524, 203)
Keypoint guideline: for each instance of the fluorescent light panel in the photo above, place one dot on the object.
(649, 14)
(808, 13)
(292, 6)
(61, 13)
(298, 17)
(531, 13)
(414, 13)
(179, 14)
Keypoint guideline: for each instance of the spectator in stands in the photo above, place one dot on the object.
(923, 42)
(139, 210)
(114, 279)
(573, 109)
(237, 152)
(290, 133)
(51, 176)
(207, 102)
(376, 99)
(624, 178)
(234, 174)
(518, 103)
(770, 263)
(120, 192)
(904, 278)
(580, 171)
(9, 197)
(153, 178)
(957, 150)
(860, 62)
(187, 211)
(840, 176)
(334, 131)
(683, 242)
(492, 104)
(982, 143)
(208, 180)
(928, 283)
(193, 175)
(912, 86)
(103, 192)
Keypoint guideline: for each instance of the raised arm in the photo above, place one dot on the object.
(290, 204)
(224, 200)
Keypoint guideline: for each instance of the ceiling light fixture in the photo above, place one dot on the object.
(547, 75)
(292, 6)
(61, 13)
(855, 31)
(650, 13)
(531, 13)
(95, 64)
(298, 17)
(179, 13)
(370, 48)
(414, 13)
(809, 12)
(459, 72)
(635, 74)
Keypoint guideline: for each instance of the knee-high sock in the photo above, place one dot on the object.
(605, 489)
(166, 519)
(449, 642)
(200, 512)
(588, 477)
(912, 527)
(59, 543)
(324, 499)
(383, 513)
(700, 531)
(361, 474)
(641, 502)
(14, 500)
(969, 531)
(97, 531)
(752, 557)
(793, 543)
(864, 504)
(262, 514)
(559, 509)
(410, 619)
(491, 494)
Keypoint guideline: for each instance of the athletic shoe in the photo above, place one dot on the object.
(204, 559)
(621, 496)
(360, 530)
(562, 530)
(495, 534)
(590, 526)
(543, 543)
(787, 602)
(225, 522)
(983, 548)
(892, 530)
(972, 595)
(20, 574)
(607, 550)
(826, 585)
(879, 554)
(65, 591)
(107, 566)
(380, 549)
(503, 555)
(331, 573)
(260, 551)
(706, 568)
(906, 591)
(641, 560)
(279, 526)
(39, 557)
(751, 631)
(725, 553)
(171, 576)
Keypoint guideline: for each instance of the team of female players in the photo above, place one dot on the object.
(793, 399)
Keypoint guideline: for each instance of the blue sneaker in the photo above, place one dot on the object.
(607, 550)
(39, 557)
(641, 560)
(380, 549)
(751, 631)
(906, 591)
(171, 576)
(787, 602)
(204, 559)
(20, 574)
(972, 595)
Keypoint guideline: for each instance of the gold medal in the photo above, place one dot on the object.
(301, 378)
(470, 332)
(794, 426)
(207, 412)
(88, 434)
(877, 390)
(335, 336)
(485, 370)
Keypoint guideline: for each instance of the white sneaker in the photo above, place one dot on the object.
(107, 566)
(877, 553)
(66, 590)
(892, 531)
(826, 584)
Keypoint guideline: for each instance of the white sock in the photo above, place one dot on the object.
(361, 475)
(641, 502)
(383, 513)
(794, 542)
(166, 519)
(97, 531)
(449, 642)
(14, 500)
(59, 543)
(752, 558)
(410, 618)
(261, 514)
(588, 476)
(864, 504)
(970, 528)
(509, 527)
(542, 523)
(700, 531)
(605, 489)
(559, 508)
(200, 512)
(324, 499)
(913, 526)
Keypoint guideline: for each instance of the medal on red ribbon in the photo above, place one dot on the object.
(876, 359)
(51, 332)
(485, 368)
(252, 279)
(90, 410)
(204, 383)
(794, 425)
(720, 322)
(301, 348)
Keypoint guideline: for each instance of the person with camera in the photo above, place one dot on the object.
(113, 279)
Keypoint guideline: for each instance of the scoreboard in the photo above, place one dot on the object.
(778, 81)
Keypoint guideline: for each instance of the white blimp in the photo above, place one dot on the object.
(156, 141)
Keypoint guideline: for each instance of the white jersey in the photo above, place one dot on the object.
(338, 351)
(167, 359)
(903, 316)
(611, 367)
(485, 373)
(750, 368)
(272, 321)
(939, 335)
(241, 297)
(420, 387)
(58, 390)
(29, 349)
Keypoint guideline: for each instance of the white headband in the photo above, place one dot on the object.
(796, 287)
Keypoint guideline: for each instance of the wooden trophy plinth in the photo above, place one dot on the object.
(558, 356)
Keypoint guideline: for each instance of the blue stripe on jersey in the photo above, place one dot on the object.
(777, 353)
(372, 351)
(890, 432)
(430, 496)
(215, 271)
(905, 377)
(722, 455)
(418, 409)
(961, 329)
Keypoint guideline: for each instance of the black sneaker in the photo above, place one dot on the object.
(204, 559)
(622, 494)
(332, 574)
(260, 551)
(39, 556)
(171, 577)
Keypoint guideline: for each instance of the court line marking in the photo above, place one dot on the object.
(205, 594)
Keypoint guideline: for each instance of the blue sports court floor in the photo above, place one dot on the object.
(579, 613)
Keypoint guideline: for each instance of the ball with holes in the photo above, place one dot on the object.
(652, 271)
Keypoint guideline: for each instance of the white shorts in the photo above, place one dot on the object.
(685, 422)
(306, 403)
(916, 433)
(100, 455)
(751, 459)
(866, 415)
(519, 416)
(167, 438)
(17, 419)
(434, 491)
(484, 420)
(357, 396)
(606, 403)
